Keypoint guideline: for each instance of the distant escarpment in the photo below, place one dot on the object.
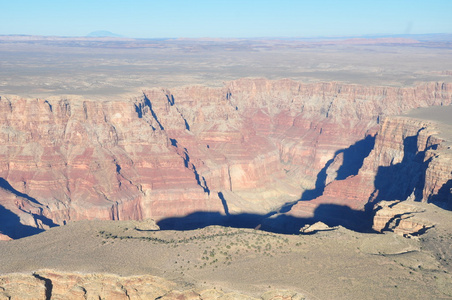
(248, 147)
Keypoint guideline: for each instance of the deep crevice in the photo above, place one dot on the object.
(139, 110)
(186, 124)
(170, 99)
(148, 103)
(189, 165)
(50, 105)
(173, 142)
(224, 203)
(203, 184)
(47, 284)
(85, 292)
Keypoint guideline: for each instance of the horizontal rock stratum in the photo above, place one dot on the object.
(51, 284)
(248, 147)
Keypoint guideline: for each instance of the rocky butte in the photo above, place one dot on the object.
(255, 152)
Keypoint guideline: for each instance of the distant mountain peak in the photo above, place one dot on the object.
(103, 33)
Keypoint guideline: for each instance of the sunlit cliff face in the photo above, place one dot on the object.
(254, 147)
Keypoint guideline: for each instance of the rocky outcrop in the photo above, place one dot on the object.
(400, 218)
(147, 224)
(4, 237)
(256, 142)
(318, 226)
(49, 284)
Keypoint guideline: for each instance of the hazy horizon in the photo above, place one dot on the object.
(109, 34)
(225, 19)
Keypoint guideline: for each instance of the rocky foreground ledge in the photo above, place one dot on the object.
(51, 284)
(78, 260)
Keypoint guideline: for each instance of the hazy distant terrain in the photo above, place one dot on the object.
(41, 66)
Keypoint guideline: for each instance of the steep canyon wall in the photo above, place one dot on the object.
(250, 146)
(409, 160)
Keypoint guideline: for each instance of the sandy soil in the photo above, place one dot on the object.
(109, 69)
(441, 115)
(337, 264)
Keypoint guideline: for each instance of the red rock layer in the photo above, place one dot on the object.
(169, 153)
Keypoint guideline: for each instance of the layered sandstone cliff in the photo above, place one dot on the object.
(400, 218)
(250, 146)
(410, 160)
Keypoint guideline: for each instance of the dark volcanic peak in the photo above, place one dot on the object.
(103, 33)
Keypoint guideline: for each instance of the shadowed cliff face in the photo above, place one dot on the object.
(400, 180)
(352, 160)
(11, 226)
(444, 196)
(252, 148)
(330, 214)
(405, 160)
(417, 167)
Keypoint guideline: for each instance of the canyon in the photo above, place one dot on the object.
(196, 155)
(225, 169)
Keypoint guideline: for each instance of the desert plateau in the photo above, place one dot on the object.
(226, 168)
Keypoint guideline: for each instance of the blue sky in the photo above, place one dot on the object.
(232, 18)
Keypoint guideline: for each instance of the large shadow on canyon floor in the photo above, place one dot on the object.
(10, 223)
(11, 226)
(278, 221)
(395, 182)
(330, 214)
(352, 160)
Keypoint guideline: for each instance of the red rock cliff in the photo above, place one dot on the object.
(410, 160)
(168, 153)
